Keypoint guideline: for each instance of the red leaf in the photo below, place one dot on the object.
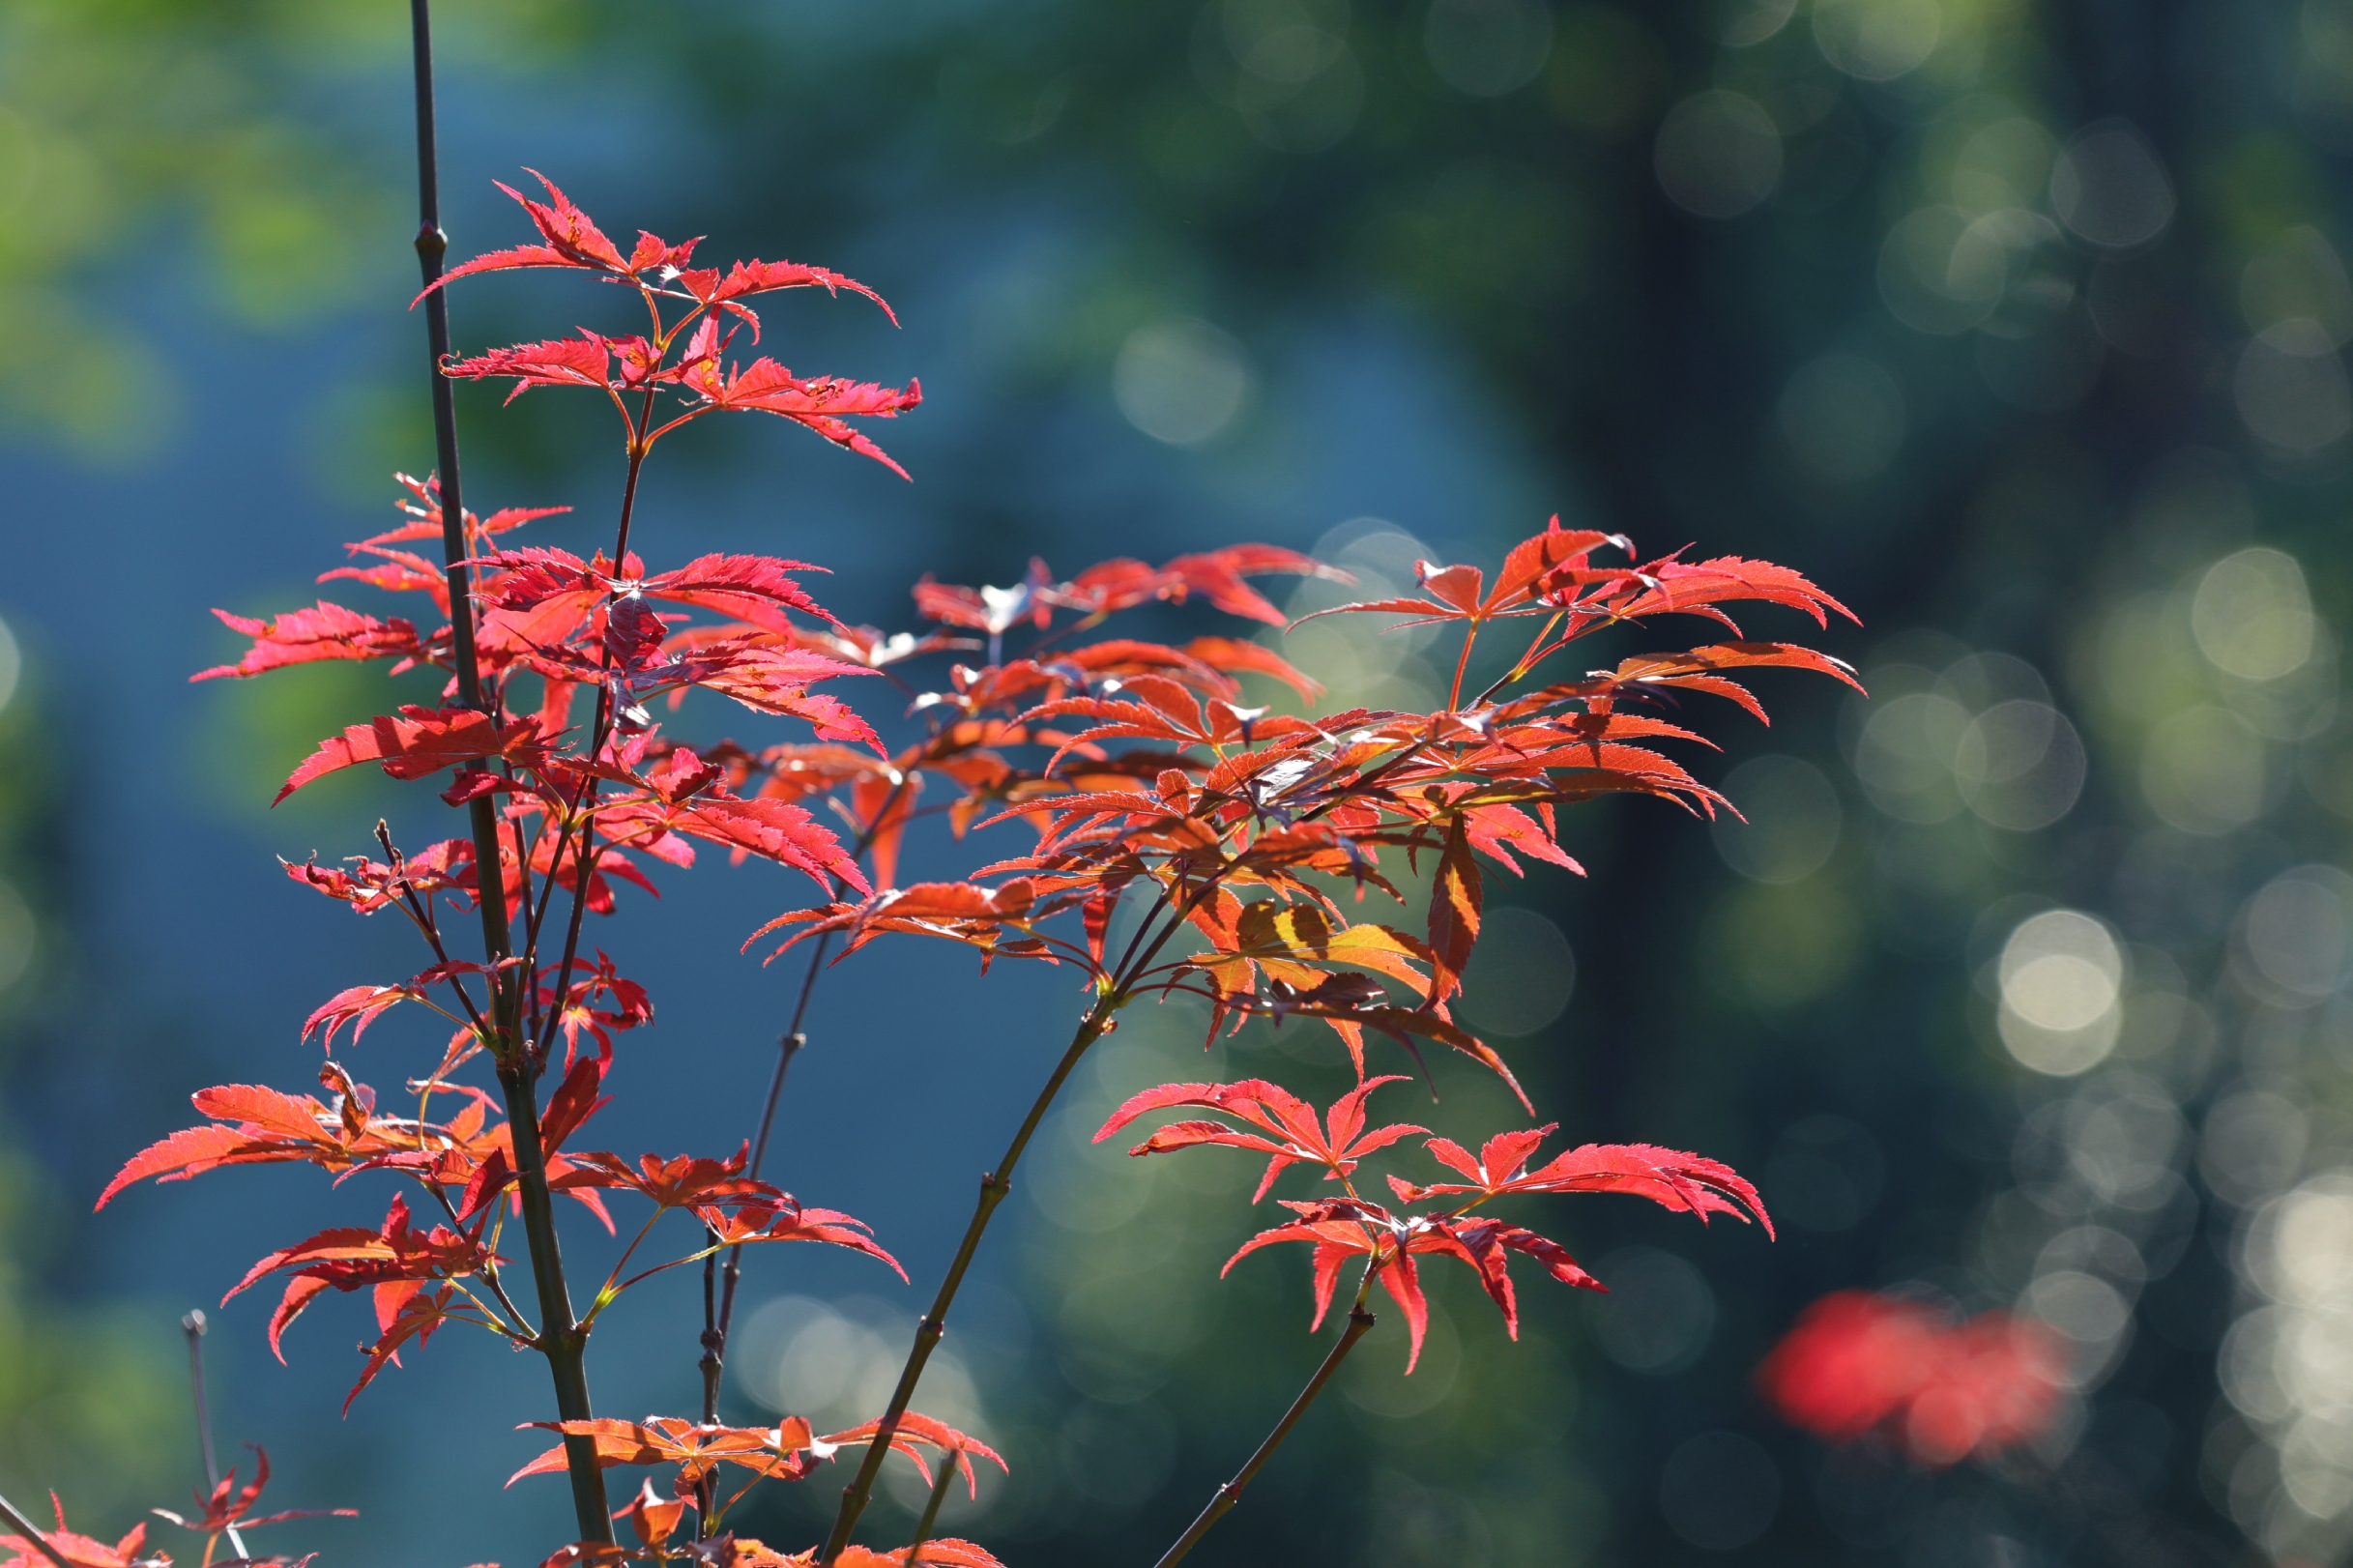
(585, 361)
(1299, 1139)
(326, 631)
(751, 588)
(572, 239)
(821, 403)
(1403, 1283)
(765, 277)
(188, 1152)
(422, 740)
(359, 1006)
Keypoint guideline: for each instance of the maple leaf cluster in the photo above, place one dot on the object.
(1390, 1243)
(1246, 840)
(1859, 1364)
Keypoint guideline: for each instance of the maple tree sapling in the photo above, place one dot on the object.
(1106, 771)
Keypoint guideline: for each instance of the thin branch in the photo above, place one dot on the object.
(931, 1509)
(996, 1183)
(993, 1189)
(718, 1321)
(194, 1325)
(1359, 1323)
(716, 1328)
(584, 859)
(23, 1526)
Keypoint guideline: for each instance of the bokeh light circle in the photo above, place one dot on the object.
(2108, 188)
(1793, 820)
(1180, 380)
(2061, 973)
(1878, 40)
(1717, 153)
(1487, 47)
(2252, 615)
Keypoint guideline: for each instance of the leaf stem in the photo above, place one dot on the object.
(23, 1526)
(1359, 1323)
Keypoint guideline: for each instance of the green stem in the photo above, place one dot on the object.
(993, 1189)
(1359, 1323)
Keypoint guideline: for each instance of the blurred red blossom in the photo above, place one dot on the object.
(1858, 1364)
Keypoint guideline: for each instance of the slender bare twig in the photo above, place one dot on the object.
(994, 1186)
(194, 1325)
(931, 1509)
(1359, 1323)
(717, 1324)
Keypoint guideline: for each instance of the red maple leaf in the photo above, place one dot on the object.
(82, 1550)
(229, 1506)
(821, 403)
(1688, 1183)
(325, 632)
(420, 742)
(1297, 1138)
(394, 1261)
(783, 1451)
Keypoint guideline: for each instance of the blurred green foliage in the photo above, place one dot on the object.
(87, 1390)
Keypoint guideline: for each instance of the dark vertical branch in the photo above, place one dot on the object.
(560, 1338)
(432, 244)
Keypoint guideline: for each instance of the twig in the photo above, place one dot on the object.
(194, 1325)
(717, 1325)
(931, 1510)
(719, 1300)
(1359, 1323)
(994, 1186)
(24, 1528)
